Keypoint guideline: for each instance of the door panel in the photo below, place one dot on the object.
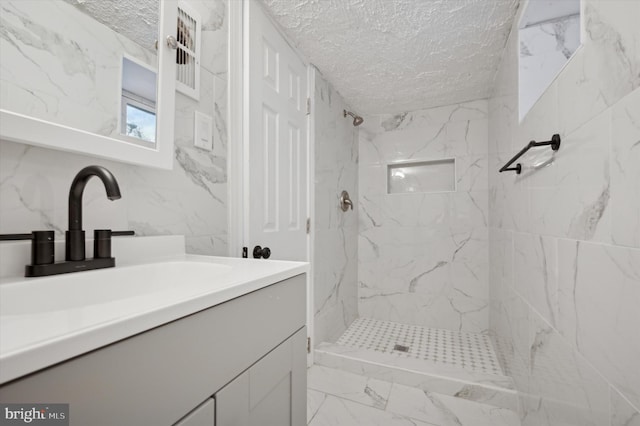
(277, 132)
(269, 211)
(294, 178)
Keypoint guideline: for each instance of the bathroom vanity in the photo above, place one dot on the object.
(227, 349)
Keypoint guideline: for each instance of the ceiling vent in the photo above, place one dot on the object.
(188, 51)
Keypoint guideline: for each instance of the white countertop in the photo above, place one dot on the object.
(34, 336)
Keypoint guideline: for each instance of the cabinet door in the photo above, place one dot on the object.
(203, 415)
(271, 392)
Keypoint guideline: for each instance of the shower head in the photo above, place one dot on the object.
(357, 120)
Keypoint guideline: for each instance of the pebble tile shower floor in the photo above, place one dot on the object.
(471, 351)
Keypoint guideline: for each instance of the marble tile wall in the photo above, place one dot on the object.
(423, 257)
(191, 199)
(337, 398)
(564, 235)
(335, 260)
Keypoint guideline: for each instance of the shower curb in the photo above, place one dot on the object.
(490, 389)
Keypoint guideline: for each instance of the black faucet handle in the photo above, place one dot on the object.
(15, 237)
(42, 245)
(102, 243)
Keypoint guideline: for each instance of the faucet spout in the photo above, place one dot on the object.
(75, 247)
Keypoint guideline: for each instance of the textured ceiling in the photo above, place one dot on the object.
(389, 56)
(135, 19)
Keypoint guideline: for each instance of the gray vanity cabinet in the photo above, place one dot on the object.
(204, 415)
(248, 353)
(271, 392)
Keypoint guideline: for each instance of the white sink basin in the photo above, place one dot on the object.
(44, 321)
(104, 286)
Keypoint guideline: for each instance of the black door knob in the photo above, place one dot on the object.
(259, 252)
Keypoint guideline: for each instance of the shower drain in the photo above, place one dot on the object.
(401, 348)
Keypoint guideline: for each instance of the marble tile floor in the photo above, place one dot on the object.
(340, 398)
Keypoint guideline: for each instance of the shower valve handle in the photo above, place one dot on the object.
(345, 201)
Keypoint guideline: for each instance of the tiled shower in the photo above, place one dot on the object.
(545, 264)
(422, 258)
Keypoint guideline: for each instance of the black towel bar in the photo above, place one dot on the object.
(555, 145)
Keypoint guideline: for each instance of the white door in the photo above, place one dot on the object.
(276, 172)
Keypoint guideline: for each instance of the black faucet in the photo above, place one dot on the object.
(75, 237)
(43, 245)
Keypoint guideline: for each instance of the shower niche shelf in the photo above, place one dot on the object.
(429, 176)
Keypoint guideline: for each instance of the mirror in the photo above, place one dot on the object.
(85, 76)
(548, 35)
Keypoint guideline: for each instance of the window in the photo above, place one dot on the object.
(138, 117)
(138, 102)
